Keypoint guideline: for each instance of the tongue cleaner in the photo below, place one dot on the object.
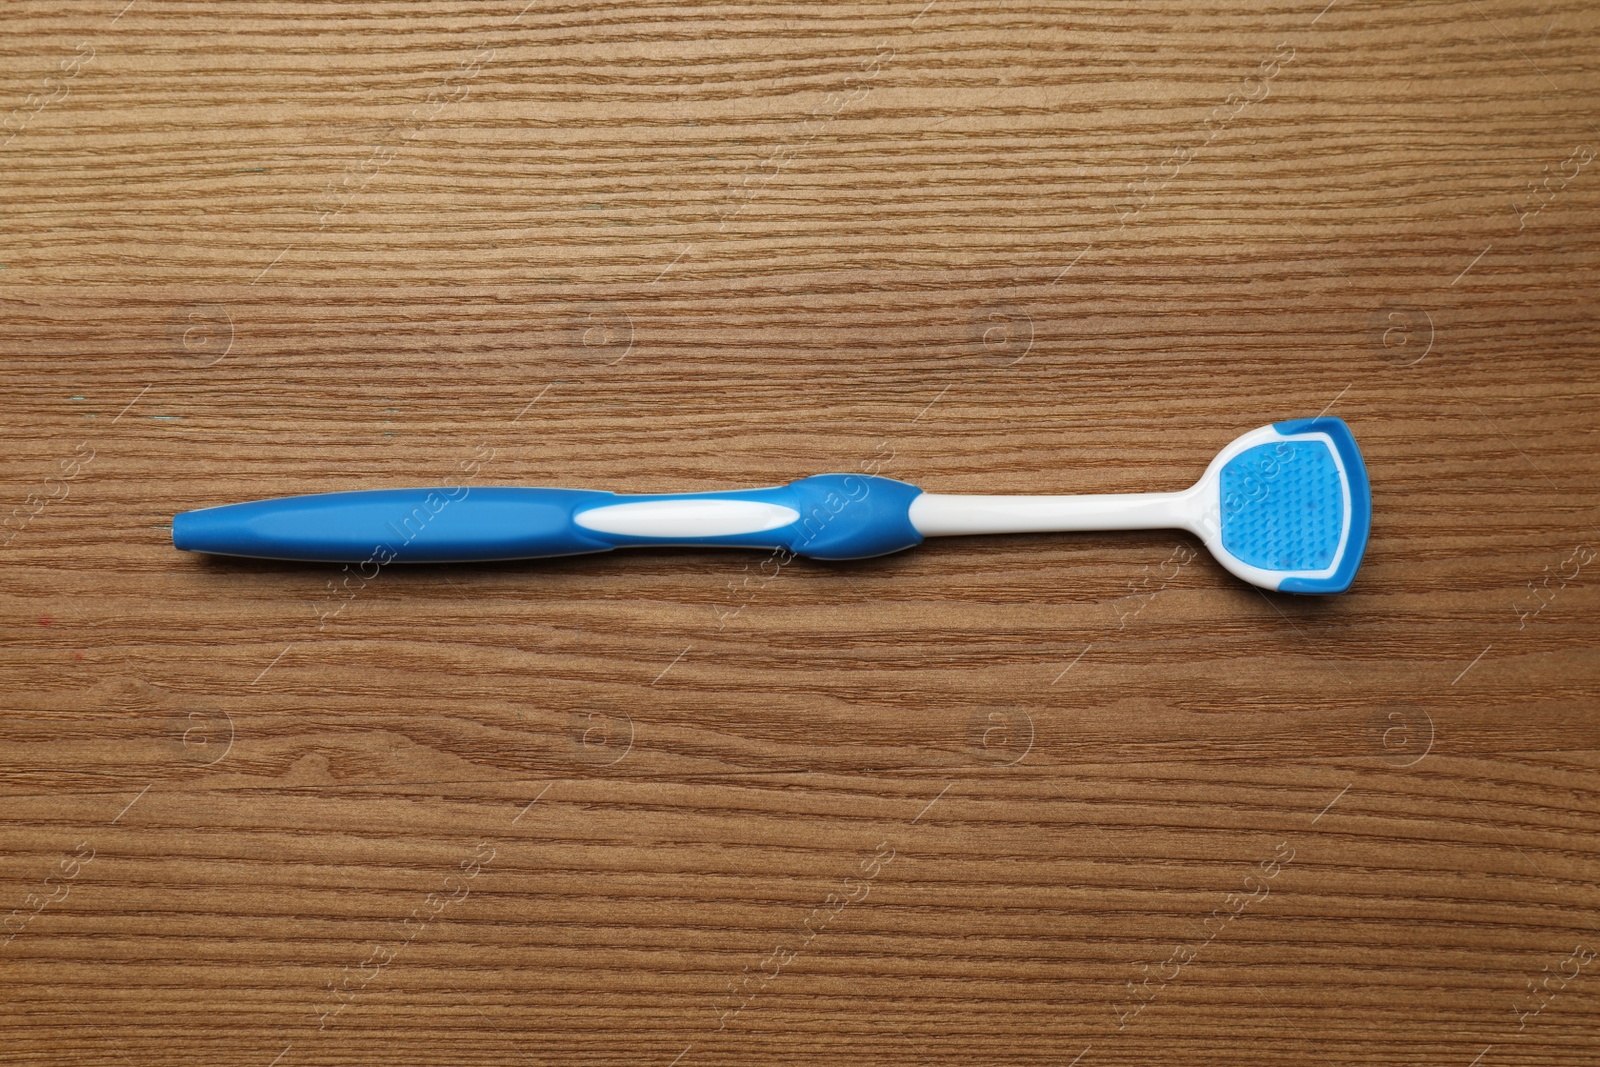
(1284, 507)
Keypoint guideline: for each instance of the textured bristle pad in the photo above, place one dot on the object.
(1282, 506)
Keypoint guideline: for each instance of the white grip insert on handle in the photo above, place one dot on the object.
(702, 517)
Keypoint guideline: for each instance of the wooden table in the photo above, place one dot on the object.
(1033, 799)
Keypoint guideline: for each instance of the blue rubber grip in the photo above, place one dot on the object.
(841, 516)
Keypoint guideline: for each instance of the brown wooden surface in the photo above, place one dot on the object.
(998, 800)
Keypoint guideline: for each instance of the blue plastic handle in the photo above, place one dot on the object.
(841, 516)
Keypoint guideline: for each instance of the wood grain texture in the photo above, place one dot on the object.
(998, 800)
